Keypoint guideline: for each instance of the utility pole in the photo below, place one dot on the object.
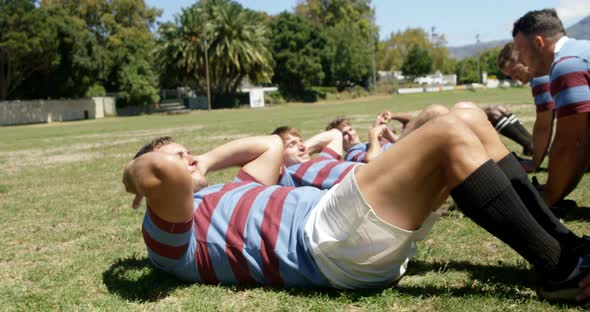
(207, 75)
(374, 73)
(373, 50)
(477, 49)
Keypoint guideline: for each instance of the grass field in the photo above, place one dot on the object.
(70, 240)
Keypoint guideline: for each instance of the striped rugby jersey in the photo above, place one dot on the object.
(240, 233)
(322, 172)
(540, 87)
(570, 78)
(358, 152)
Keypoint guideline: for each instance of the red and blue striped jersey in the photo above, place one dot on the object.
(570, 78)
(540, 87)
(322, 172)
(240, 233)
(358, 152)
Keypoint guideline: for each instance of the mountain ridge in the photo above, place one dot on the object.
(580, 30)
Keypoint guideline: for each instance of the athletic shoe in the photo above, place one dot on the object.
(527, 151)
(568, 289)
(561, 208)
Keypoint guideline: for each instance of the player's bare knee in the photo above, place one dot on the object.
(453, 130)
(436, 110)
(465, 104)
(471, 116)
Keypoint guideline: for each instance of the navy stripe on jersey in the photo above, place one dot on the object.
(242, 233)
(540, 87)
(322, 172)
(358, 152)
(570, 78)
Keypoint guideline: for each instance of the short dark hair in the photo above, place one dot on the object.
(154, 144)
(543, 22)
(337, 122)
(507, 56)
(283, 131)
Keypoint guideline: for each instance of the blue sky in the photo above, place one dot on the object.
(459, 20)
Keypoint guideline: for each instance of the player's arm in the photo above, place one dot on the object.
(542, 131)
(567, 157)
(404, 118)
(389, 135)
(165, 181)
(331, 139)
(374, 149)
(259, 156)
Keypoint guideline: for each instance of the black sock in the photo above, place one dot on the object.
(535, 203)
(487, 198)
(510, 127)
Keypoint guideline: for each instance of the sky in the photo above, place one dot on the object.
(459, 20)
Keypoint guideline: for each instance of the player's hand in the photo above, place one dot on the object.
(202, 164)
(382, 118)
(376, 131)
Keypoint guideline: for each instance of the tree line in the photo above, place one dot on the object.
(78, 48)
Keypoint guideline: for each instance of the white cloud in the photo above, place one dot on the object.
(572, 10)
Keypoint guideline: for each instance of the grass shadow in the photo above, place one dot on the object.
(505, 274)
(136, 279)
(498, 281)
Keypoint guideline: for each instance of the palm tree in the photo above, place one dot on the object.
(239, 46)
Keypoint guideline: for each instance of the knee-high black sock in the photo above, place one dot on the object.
(510, 127)
(487, 198)
(535, 204)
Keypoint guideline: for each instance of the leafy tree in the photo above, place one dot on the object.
(297, 50)
(76, 69)
(123, 45)
(467, 70)
(394, 50)
(351, 56)
(238, 46)
(351, 36)
(27, 43)
(418, 62)
(332, 12)
(488, 60)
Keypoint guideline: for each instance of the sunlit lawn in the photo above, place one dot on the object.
(70, 240)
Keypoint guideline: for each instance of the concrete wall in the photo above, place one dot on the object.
(46, 111)
(109, 105)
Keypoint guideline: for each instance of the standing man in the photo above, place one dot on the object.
(543, 46)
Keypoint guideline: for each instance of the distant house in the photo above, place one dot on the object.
(437, 79)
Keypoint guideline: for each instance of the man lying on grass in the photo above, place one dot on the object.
(362, 232)
(381, 137)
(328, 169)
(323, 171)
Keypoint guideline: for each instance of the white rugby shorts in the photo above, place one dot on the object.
(352, 246)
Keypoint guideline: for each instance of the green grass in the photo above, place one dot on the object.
(70, 240)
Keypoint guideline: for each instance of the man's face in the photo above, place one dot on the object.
(531, 53)
(191, 163)
(517, 71)
(295, 152)
(349, 136)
